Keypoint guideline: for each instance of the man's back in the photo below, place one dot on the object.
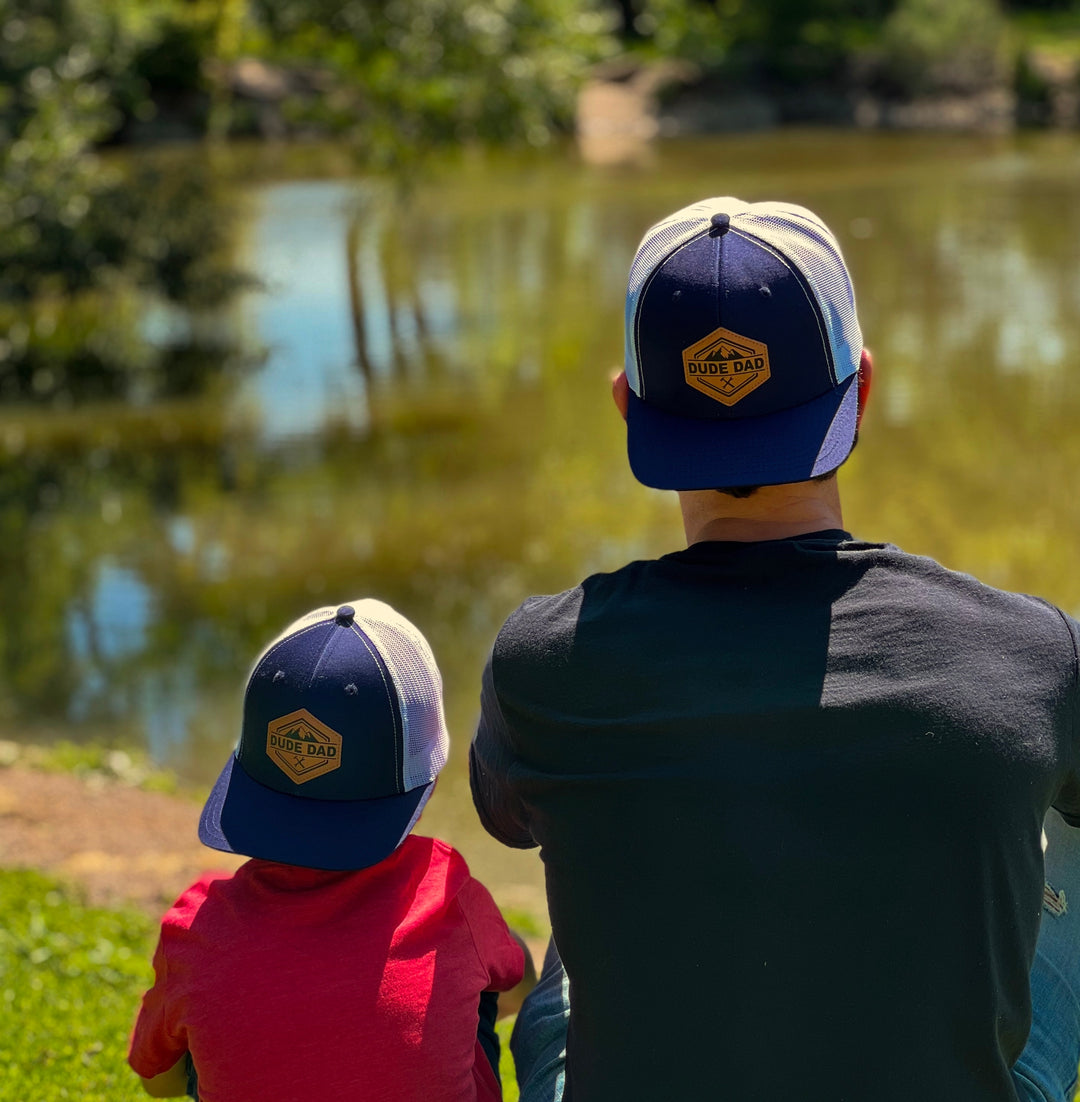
(870, 743)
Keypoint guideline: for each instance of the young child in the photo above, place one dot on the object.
(348, 958)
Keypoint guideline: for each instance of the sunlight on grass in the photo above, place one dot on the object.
(70, 980)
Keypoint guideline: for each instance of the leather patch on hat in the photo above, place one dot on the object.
(726, 366)
(302, 747)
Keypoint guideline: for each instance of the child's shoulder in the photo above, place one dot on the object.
(436, 852)
(187, 904)
(442, 866)
(446, 873)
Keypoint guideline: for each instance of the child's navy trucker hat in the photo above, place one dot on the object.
(343, 736)
(742, 348)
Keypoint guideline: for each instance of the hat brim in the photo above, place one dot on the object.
(244, 816)
(670, 452)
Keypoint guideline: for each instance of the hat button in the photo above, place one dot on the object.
(721, 223)
(345, 614)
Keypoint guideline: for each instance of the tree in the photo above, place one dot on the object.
(416, 73)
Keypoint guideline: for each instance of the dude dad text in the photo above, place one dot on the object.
(725, 367)
(298, 746)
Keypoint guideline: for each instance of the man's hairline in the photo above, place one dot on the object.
(749, 491)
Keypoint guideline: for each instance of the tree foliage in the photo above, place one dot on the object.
(88, 243)
(782, 40)
(412, 73)
(944, 45)
(907, 47)
(70, 222)
(397, 78)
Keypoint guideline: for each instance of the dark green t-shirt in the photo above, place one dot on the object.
(789, 798)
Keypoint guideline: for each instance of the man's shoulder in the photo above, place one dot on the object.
(933, 575)
(944, 603)
(545, 620)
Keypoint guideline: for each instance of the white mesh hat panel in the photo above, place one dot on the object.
(799, 236)
(419, 688)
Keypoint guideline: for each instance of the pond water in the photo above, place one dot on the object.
(429, 422)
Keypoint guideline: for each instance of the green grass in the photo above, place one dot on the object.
(70, 981)
(506, 1061)
(71, 977)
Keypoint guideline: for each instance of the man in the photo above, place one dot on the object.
(788, 785)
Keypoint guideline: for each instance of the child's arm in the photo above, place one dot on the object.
(510, 1001)
(169, 1084)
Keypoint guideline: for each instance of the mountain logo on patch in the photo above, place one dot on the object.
(302, 747)
(726, 366)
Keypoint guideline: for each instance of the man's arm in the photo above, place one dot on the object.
(1067, 798)
(491, 758)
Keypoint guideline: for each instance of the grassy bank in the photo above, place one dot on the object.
(96, 762)
(70, 979)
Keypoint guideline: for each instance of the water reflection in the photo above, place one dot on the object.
(108, 631)
(302, 318)
(431, 423)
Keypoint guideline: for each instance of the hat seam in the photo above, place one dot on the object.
(644, 290)
(800, 278)
(285, 636)
(266, 654)
(399, 764)
(278, 643)
(318, 661)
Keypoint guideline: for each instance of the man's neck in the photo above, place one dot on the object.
(771, 513)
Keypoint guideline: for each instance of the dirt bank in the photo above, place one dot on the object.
(122, 844)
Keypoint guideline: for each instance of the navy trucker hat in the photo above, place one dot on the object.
(342, 738)
(742, 348)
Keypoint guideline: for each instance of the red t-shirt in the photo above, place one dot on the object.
(297, 984)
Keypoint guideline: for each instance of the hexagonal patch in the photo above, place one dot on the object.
(302, 747)
(726, 366)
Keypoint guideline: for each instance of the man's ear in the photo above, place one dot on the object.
(866, 377)
(620, 391)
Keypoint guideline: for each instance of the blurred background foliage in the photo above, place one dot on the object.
(410, 73)
(93, 246)
(89, 242)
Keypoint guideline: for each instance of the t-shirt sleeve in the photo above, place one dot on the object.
(156, 1041)
(491, 758)
(500, 955)
(1067, 800)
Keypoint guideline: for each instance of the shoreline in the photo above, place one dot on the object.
(121, 844)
